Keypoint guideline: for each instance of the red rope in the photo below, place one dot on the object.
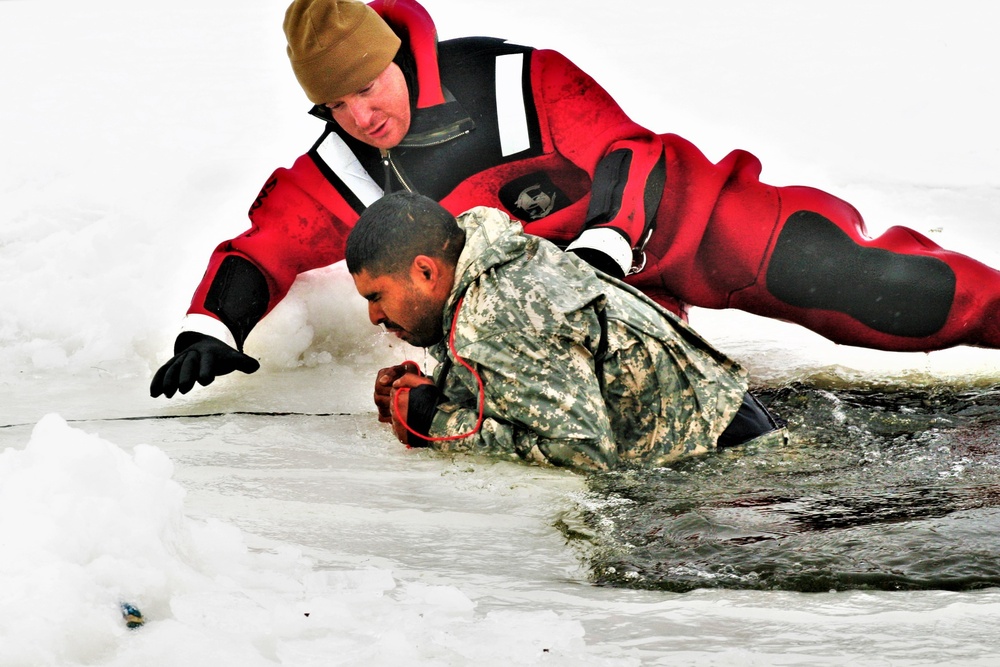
(479, 381)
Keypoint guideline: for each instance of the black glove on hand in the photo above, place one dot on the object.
(200, 358)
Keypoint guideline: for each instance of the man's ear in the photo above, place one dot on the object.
(425, 270)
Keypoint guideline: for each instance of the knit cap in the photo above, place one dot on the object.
(337, 46)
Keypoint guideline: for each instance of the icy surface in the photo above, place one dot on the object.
(134, 137)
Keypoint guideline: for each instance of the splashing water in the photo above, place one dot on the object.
(877, 489)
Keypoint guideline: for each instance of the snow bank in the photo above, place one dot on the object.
(86, 525)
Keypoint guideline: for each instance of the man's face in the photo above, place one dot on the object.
(379, 113)
(411, 309)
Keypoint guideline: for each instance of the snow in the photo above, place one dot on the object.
(134, 138)
(96, 525)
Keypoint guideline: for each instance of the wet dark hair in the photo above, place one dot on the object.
(398, 227)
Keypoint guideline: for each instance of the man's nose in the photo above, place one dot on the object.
(361, 111)
(375, 314)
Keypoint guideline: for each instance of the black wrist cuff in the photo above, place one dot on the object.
(420, 411)
(600, 261)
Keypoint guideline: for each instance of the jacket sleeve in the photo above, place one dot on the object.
(542, 404)
(581, 122)
(297, 223)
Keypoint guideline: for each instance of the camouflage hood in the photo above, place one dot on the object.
(493, 240)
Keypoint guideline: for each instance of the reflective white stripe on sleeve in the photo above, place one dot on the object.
(209, 326)
(339, 158)
(512, 118)
(608, 241)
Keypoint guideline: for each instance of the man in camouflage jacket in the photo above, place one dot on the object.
(539, 356)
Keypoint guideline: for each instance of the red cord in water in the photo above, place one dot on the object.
(479, 381)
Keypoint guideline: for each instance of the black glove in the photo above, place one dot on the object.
(198, 357)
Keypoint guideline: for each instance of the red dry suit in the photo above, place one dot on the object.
(526, 131)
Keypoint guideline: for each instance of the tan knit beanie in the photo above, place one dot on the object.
(337, 46)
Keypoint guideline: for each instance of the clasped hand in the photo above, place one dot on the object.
(392, 388)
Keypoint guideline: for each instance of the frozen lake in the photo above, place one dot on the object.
(265, 539)
(269, 519)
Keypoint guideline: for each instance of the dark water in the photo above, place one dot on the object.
(877, 489)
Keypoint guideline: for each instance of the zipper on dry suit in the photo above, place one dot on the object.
(391, 168)
(420, 140)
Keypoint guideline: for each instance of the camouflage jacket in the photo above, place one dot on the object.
(578, 369)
